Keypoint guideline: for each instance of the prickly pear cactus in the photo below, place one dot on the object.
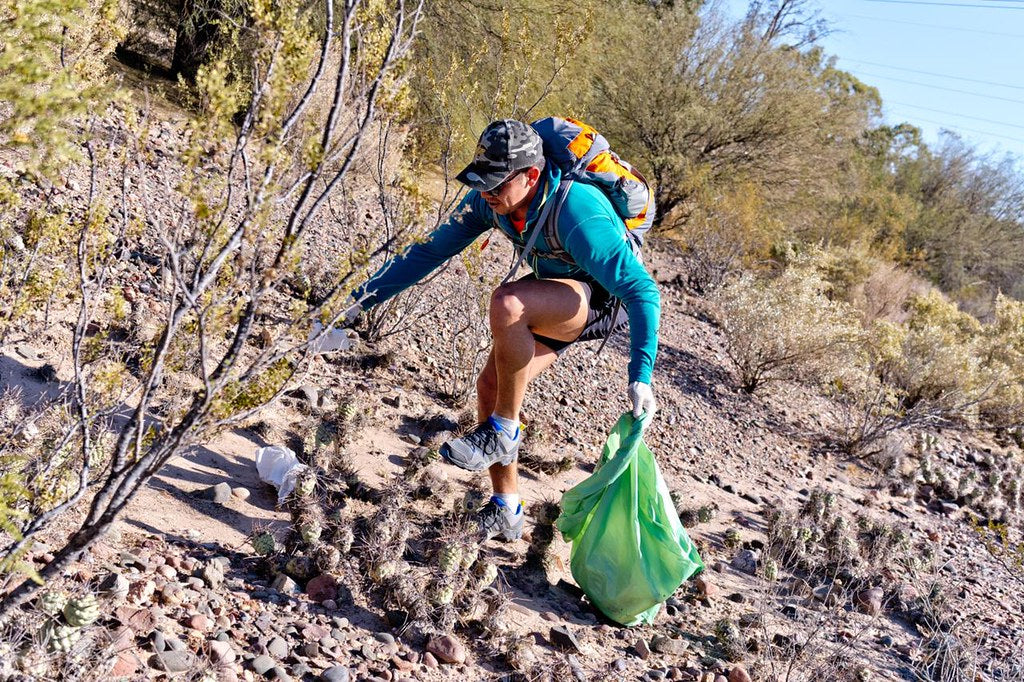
(59, 637)
(82, 611)
(263, 543)
(450, 558)
(52, 603)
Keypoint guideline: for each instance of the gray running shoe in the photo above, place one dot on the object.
(493, 521)
(485, 445)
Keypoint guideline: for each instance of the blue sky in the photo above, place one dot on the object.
(956, 64)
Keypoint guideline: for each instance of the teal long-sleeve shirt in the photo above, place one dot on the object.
(590, 231)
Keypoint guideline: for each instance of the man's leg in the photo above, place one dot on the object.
(554, 308)
(504, 478)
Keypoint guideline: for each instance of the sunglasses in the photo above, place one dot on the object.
(497, 189)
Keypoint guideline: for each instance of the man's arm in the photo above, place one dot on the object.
(472, 218)
(599, 245)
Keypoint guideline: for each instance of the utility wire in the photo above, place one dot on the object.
(937, 75)
(939, 26)
(939, 87)
(944, 4)
(968, 130)
(954, 113)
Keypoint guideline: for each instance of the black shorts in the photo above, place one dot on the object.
(605, 315)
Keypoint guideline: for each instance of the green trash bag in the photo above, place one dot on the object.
(629, 550)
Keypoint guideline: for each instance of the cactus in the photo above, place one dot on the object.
(307, 483)
(59, 637)
(82, 611)
(327, 558)
(469, 556)
(487, 573)
(344, 538)
(310, 532)
(52, 603)
(299, 568)
(263, 543)
(733, 539)
(705, 514)
(442, 594)
(689, 518)
(382, 570)
(450, 558)
(771, 570)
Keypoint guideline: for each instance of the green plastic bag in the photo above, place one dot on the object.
(629, 550)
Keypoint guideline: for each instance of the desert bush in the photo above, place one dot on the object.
(1002, 363)
(785, 327)
(223, 218)
(924, 372)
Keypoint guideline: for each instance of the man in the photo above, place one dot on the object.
(533, 319)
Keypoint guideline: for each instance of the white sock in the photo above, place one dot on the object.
(509, 502)
(509, 426)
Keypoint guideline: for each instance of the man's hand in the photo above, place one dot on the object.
(642, 397)
(338, 338)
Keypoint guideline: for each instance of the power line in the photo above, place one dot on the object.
(943, 4)
(969, 130)
(937, 75)
(954, 113)
(939, 87)
(939, 26)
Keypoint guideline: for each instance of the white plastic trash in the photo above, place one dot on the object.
(331, 340)
(280, 467)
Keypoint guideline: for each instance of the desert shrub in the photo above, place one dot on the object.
(1002, 363)
(208, 232)
(785, 327)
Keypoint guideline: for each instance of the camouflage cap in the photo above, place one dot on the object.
(505, 146)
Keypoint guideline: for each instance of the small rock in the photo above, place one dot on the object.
(322, 588)
(870, 601)
(745, 561)
(739, 674)
(737, 597)
(667, 645)
(430, 661)
(705, 588)
(561, 637)
(641, 649)
(114, 586)
(212, 573)
(447, 649)
(280, 674)
(338, 673)
(311, 394)
(261, 664)
(173, 661)
(221, 653)
(283, 584)
(278, 648)
(241, 493)
(199, 622)
(219, 493)
(620, 665)
(329, 604)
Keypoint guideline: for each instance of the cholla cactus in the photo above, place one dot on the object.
(705, 514)
(310, 532)
(52, 602)
(733, 539)
(382, 570)
(81, 611)
(730, 639)
(486, 573)
(770, 569)
(449, 559)
(442, 593)
(59, 637)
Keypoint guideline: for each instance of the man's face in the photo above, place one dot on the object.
(515, 192)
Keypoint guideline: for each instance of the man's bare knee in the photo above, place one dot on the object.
(506, 305)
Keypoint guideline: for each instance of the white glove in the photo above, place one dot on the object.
(642, 397)
(338, 338)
